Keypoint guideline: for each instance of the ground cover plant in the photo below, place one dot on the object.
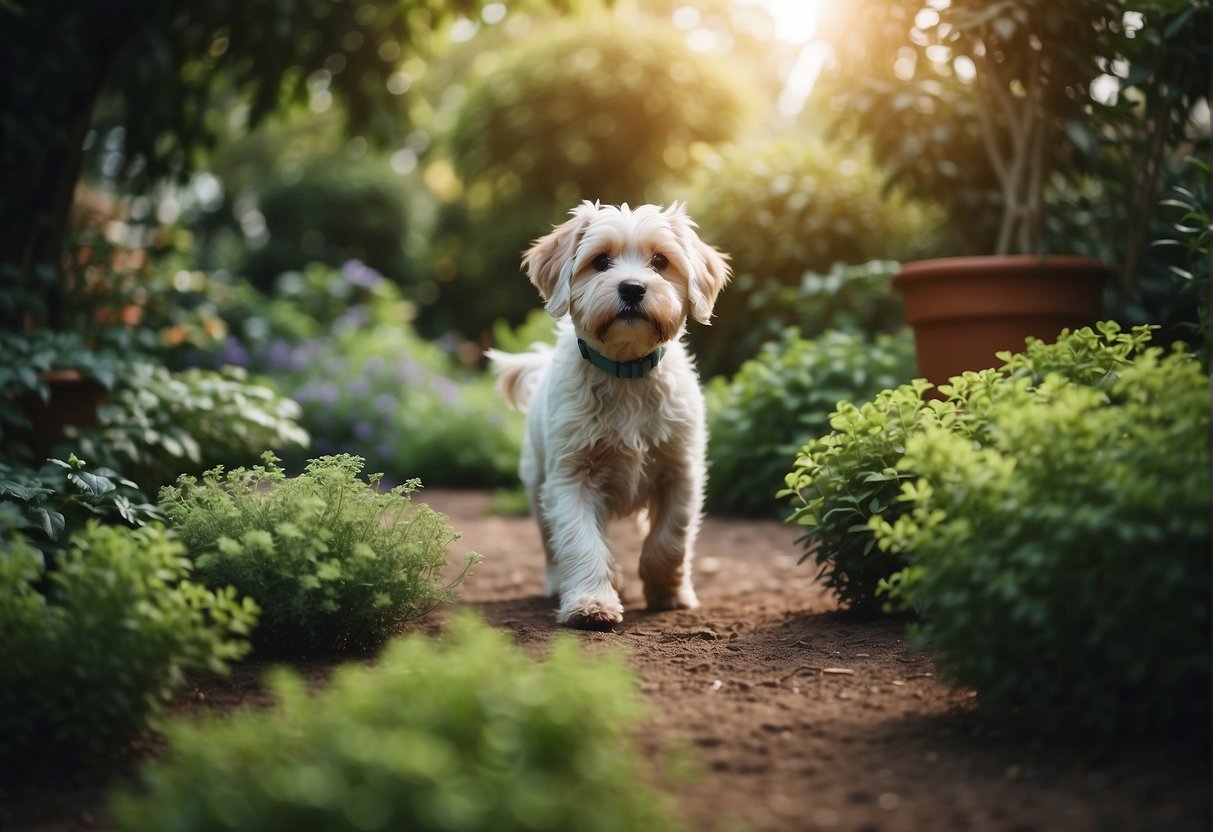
(463, 732)
(93, 646)
(763, 414)
(334, 563)
(1061, 565)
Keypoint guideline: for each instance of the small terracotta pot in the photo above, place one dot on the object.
(965, 309)
(74, 399)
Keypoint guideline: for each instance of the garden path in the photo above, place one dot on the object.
(799, 716)
(793, 715)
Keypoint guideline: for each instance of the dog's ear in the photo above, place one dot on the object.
(549, 260)
(709, 267)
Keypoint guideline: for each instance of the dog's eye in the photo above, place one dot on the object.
(602, 262)
(659, 262)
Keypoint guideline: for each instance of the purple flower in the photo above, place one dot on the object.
(384, 403)
(363, 430)
(373, 365)
(351, 318)
(234, 352)
(360, 274)
(278, 354)
(359, 388)
(446, 389)
(407, 370)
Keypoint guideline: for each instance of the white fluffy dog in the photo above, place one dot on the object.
(615, 416)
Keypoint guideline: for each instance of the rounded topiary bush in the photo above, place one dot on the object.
(787, 210)
(595, 109)
(93, 645)
(334, 563)
(334, 210)
(463, 732)
(784, 397)
(1060, 565)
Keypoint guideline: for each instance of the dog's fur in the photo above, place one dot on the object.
(599, 447)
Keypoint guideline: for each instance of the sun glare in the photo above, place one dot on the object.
(795, 20)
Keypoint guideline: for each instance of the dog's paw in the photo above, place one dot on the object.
(682, 599)
(590, 613)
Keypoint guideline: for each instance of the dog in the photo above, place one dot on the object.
(615, 424)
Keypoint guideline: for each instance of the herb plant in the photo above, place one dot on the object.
(760, 417)
(464, 732)
(334, 563)
(90, 649)
(1061, 565)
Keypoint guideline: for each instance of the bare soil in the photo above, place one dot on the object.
(793, 714)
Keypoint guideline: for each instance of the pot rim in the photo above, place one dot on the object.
(1037, 263)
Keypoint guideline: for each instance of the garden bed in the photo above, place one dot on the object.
(796, 715)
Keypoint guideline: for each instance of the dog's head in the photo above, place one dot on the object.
(628, 278)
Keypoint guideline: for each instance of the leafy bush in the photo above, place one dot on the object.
(90, 649)
(844, 478)
(330, 211)
(859, 298)
(788, 209)
(159, 423)
(468, 732)
(62, 495)
(334, 563)
(760, 417)
(1061, 566)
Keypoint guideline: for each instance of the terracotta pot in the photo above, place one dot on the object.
(74, 399)
(965, 309)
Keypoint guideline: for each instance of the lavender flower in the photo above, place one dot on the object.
(360, 274)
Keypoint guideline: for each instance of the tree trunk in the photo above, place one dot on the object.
(50, 95)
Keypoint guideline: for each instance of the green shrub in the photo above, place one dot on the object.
(60, 497)
(335, 564)
(90, 649)
(467, 732)
(760, 417)
(792, 208)
(159, 423)
(1061, 566)
(844, 478)
(858, 298)
(330, 211)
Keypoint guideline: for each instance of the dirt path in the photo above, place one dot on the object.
(797, 716)
(803, 717)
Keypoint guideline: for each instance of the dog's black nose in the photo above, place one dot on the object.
(631, 291)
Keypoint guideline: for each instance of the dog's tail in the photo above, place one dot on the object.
(519, 373)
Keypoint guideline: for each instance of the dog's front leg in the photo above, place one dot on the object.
(577, 524)
(665, 560)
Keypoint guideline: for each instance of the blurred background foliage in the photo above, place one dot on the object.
(334, 195)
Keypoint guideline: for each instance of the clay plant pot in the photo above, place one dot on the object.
(965, 309)
(74, 399)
